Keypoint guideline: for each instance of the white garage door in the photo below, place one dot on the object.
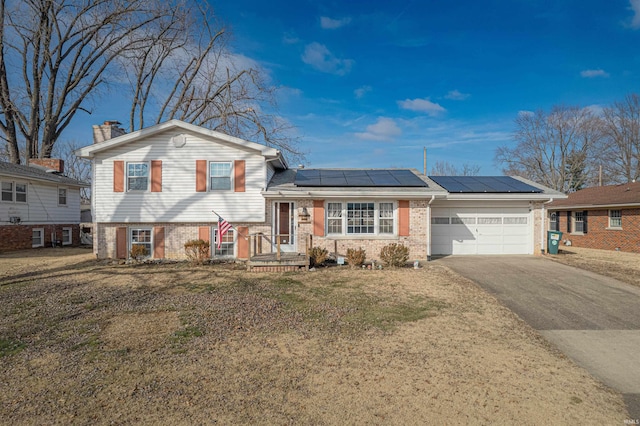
(462, 230)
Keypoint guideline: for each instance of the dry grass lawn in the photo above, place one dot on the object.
(83, 342)
(616, 264)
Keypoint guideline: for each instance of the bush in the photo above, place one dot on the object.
(197, 251)
(317, 255)
(356, 257)
(138, 252)
(395, 255)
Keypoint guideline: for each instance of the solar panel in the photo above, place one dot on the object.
(358, 178)
(478, 184)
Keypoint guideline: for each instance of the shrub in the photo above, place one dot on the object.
(138, 251)
(197, 251)
(356, 257)
(317, 255)
(395, 255)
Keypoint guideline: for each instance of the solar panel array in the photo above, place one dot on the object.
(358, 178)
(475, 184)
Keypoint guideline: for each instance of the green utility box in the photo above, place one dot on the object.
(553, 241)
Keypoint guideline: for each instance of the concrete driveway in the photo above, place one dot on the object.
(593, 319)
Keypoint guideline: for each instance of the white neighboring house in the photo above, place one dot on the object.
(158, 187)
(39, 205)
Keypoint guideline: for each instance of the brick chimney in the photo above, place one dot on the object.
(49, 163)
(109, 130)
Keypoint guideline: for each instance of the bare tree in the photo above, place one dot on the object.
(75, 167)
(58, 57)
(555, 148)
(444, 168)
(620, 153)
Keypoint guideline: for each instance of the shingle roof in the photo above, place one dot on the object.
(609, 195)
(37, 173)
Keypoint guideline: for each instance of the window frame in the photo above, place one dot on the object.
(131, 242)
(347, 221)
(211, 176)
(228, 249)
(618, 219)
(553, 221)
(13, 191)
(576, 221)
(70, 240)
(66, 196)
(128, 177)
(41, 231)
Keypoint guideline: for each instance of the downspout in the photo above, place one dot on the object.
(543, 226)
(433, 197)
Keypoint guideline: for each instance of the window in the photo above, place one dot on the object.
(137, 176)
(489, 221)
(615, 218)
(62, 196)
(66, 236)
(360, 218)
(21, 192)
(220, 175)
(7, 191)
(141, 237)
(553, 222)
(226, 246)
(463, 220)
(522, 220)
(439, 220)
(37, 237)
(334, 218)
(385, 218)
(578, 222)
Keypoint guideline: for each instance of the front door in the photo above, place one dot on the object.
(284, 226)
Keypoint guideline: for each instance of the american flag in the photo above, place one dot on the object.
(223, 227)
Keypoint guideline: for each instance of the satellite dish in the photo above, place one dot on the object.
(179, 140)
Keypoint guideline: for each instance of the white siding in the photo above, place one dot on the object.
(178, 201)
(42, 204)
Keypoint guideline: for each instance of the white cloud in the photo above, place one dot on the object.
(635, 6)
(594, 73)
(385, 129)
(361, 91)
(319, 57)
(455, 95)
(332, 24)
(422, 105)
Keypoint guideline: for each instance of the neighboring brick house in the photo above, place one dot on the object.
(158, 187)
(39, 205)
(602, 217)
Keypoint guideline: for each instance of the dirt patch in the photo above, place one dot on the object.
(175, 344)
(615, 264)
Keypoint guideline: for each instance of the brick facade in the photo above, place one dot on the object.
(600, 236)
(19, 237)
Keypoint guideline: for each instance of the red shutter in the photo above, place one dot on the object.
(121, 243)
(158, 242)
(201, 175)
(318, 218)
(118, 176)
(403, 218)
(204, 233)
(243, 242)
(156, 176)
(238, 175)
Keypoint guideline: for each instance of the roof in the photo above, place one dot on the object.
(37, 173)
(352, 182)
(626, 194)
(90, 150)
(484, 184)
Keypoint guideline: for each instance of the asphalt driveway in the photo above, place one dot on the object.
(595, 320)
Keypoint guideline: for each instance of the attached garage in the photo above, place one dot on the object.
(469, 230)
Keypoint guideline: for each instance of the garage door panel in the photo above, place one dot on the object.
(486, 230)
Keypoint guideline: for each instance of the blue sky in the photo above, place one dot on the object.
(370, 83)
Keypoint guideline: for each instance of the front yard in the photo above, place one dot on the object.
(89, 343)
